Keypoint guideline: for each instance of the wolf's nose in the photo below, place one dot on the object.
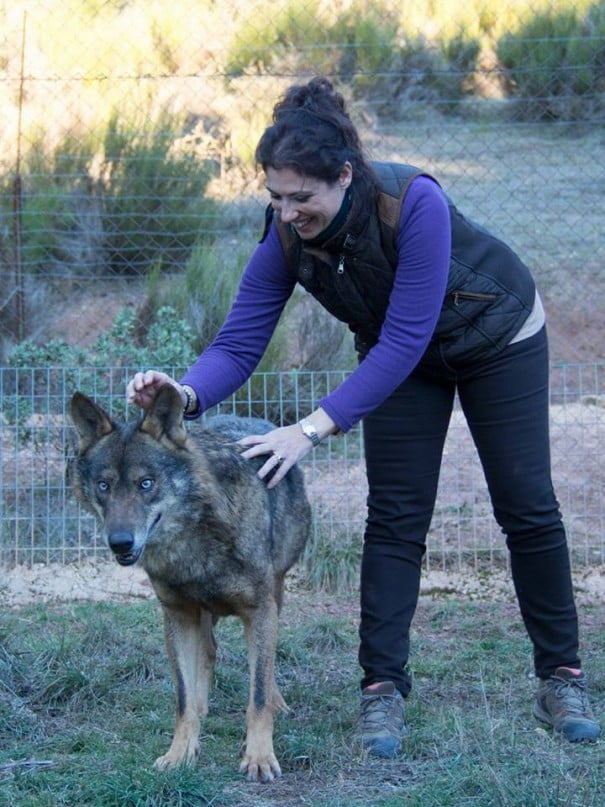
(121, 542)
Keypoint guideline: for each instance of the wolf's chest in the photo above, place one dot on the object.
(222, 586)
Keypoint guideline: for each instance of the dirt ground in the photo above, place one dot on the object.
(108, 582)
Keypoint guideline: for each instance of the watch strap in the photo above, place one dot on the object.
(309, 430)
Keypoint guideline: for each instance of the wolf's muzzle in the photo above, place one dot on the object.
(122, 545)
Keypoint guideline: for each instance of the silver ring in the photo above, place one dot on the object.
(278, 458)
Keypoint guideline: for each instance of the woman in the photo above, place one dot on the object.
(437, 305)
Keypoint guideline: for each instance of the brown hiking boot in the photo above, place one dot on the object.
(381, 723)
(562, 702)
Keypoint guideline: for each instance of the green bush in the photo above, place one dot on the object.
(428, 55)
(202, 297)
(367, 45)
(31, 382)
(168, 341)
(294, 31)
(332, 564)
(555, 58)
(50, 183)
(309, 37)
(154, 197)
(203, 293)
(368, 41)
(44, 376)
(126, 202)
(54, 353)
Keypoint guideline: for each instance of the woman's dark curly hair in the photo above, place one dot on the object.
(313, 134)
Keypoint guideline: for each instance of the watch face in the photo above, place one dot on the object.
(310, 431)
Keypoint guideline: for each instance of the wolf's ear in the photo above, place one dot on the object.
(165, 416)
(90, 420)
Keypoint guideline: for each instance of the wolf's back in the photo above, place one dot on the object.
(236, 427)
(287, 506)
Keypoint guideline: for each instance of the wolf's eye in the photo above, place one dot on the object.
(102, 486)
(146, 484)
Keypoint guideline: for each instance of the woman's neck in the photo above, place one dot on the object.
(336, 223)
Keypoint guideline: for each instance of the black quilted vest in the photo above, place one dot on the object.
(489, 295)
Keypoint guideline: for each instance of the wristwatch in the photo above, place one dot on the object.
(309, 431)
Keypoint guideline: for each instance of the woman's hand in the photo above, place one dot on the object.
(143, 387)
(285, 446)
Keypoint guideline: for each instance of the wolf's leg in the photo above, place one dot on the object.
(278, 701)
(182, 631)
(259, 761)
(279, 591)
(206, 657)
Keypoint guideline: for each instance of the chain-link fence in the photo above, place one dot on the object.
(41, 522)
(129, 128)
(128, 189)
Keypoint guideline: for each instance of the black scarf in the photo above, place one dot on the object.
(336, 223)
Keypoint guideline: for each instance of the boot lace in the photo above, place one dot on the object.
(572, 692)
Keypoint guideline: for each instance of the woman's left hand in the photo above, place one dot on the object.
(285, 446)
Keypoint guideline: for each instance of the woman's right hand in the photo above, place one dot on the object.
(143, 387)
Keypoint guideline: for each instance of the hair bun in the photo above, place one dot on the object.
(320, 85)
(317, 96)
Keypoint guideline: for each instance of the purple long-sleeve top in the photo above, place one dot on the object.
(424, 244)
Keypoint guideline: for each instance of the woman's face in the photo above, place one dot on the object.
(308, 204)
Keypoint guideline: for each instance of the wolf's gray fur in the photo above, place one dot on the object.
(213, 539)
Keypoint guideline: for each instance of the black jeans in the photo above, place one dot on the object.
(505, 402)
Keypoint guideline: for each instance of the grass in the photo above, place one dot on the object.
(86, 706)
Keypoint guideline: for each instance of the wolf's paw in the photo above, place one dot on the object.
(182, 755)
(257, 768)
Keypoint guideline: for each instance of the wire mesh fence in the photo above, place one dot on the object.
(41, 522)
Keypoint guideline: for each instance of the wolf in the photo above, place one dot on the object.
(213, 540)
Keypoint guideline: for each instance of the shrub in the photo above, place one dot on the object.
(263, 41)
(32, 383)
(555, 58)
(168, 342)
(419, 74)
(50, 372)
(331, 563)
(368, 42)
(51, 182)
(203, 293)
(366, 45)
(154, 197)
(126, 203)
(49, 354)
(202, 297)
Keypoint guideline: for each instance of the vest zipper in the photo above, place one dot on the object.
(472, 295)
(341, 265)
